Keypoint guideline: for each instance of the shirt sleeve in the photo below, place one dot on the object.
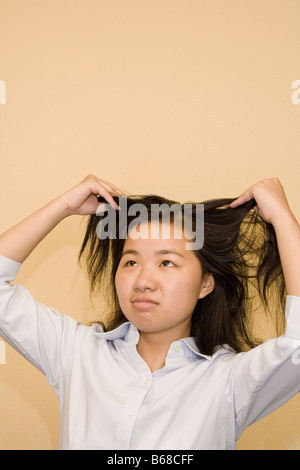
(42, 335)
(265, 377)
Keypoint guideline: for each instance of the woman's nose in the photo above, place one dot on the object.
(145, 281)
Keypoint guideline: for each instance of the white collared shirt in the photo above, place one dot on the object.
(108, 397)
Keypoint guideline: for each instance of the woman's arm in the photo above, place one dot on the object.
(19, 241)
(273, 207)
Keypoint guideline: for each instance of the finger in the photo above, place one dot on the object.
(118, 191)
(108, 186)
(245, 197)
(108, 197)
(112, 188)
(102, 191)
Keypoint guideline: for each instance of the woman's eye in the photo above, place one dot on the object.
(169, 263)
(130, 263)
(165, 263)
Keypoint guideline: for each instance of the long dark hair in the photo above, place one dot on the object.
(240, 251)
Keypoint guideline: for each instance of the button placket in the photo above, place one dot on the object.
(145, 379)
(130, 411)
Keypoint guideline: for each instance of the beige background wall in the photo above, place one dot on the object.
(191, 99)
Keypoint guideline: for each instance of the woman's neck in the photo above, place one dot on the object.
(154, 347)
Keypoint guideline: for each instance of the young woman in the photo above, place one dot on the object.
(176, 366)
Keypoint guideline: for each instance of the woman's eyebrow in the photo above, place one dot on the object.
(130, 252)
(166, 252)
(161, 252)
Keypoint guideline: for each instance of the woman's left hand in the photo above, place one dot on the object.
(271, 201)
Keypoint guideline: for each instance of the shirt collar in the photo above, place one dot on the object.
(128, 332)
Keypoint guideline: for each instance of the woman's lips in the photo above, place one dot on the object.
(144, 304)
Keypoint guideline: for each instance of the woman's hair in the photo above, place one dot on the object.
(240, 251)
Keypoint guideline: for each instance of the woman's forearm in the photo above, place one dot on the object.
(288, 238)
(19, 241)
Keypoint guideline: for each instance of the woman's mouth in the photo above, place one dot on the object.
(144, 304)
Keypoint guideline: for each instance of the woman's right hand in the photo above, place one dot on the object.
(18, 242)
(82, 199)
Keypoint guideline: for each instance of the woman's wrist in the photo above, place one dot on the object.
(288, 238)
(59, 208)
(283, 219)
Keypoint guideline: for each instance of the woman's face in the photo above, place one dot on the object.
(159, 282)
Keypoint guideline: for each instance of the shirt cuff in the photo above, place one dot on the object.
(292, 313)
(8, 269)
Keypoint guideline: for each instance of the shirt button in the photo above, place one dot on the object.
(146, 381)
(177, 349)
(130, 412)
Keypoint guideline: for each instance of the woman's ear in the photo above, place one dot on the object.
(208, 286)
